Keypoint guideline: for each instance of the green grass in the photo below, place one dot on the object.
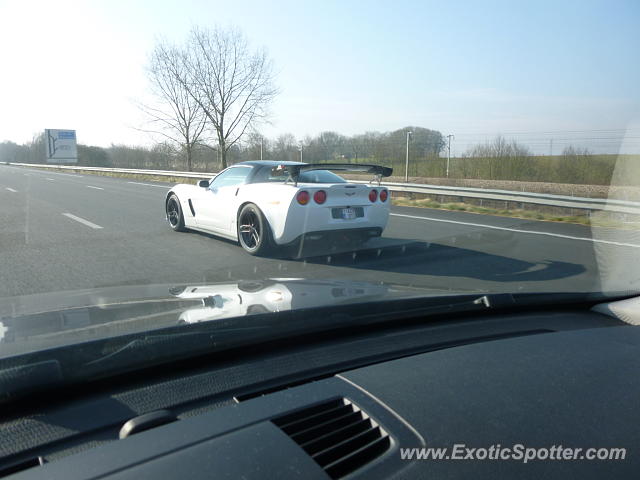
(575, 169)
(598, 221)
(464, 207)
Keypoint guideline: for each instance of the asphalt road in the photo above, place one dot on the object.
(63, 231)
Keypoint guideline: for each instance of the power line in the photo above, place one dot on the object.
(551, 132)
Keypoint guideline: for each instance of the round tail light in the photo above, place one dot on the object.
(320, 196)
(303, 197)
(373, 195)
(383, 195)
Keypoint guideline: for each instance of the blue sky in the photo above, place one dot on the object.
(474, 69)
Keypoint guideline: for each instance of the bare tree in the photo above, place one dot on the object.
(285, 147)
(256, 146)
(232, 83)
(572, 151)
(499, 147)
(505, 159)
(177, 116)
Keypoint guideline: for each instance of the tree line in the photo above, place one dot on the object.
(498, 159)
(377, 147)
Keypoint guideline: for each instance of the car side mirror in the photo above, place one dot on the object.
(203, 183)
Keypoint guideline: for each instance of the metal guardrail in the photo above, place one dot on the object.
(564, 201)
(584, 203)
(161, 173)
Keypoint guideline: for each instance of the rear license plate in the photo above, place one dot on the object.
(348, 213)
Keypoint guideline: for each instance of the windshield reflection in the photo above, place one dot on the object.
(252, 297)
(108, 312)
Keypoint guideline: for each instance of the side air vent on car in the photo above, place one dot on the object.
(338, 435)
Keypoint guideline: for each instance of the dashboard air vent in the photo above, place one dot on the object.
(338, 435)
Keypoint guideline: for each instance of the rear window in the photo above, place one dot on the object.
(314, 176)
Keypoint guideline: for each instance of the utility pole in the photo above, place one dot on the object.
(406, 166)
(551, 147)
(449, 153)
(261, 140)
(300, 151)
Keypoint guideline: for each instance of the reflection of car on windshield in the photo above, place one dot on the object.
(101, 312)
(275, 295)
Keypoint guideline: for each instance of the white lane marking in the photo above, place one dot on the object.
(82, 220)
(65, 174)
(517, 230)
(12, 190)
(97, 188)
(68, 174)
(50, 179)
(150, 185)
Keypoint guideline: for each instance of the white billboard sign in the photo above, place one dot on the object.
(61, 146)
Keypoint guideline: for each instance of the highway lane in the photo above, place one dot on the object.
(68, 231)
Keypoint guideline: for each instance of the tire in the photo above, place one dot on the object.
(174, 213)
(256, 309)
(175, 291)
(254, 233)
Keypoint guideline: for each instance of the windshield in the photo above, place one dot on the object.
(510, 136)
(315, 176)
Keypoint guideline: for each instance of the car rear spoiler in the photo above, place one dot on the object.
(293, 171)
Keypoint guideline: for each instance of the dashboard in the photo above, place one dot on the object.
(346, 407)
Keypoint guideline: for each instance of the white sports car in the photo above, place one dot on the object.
(267, 204)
